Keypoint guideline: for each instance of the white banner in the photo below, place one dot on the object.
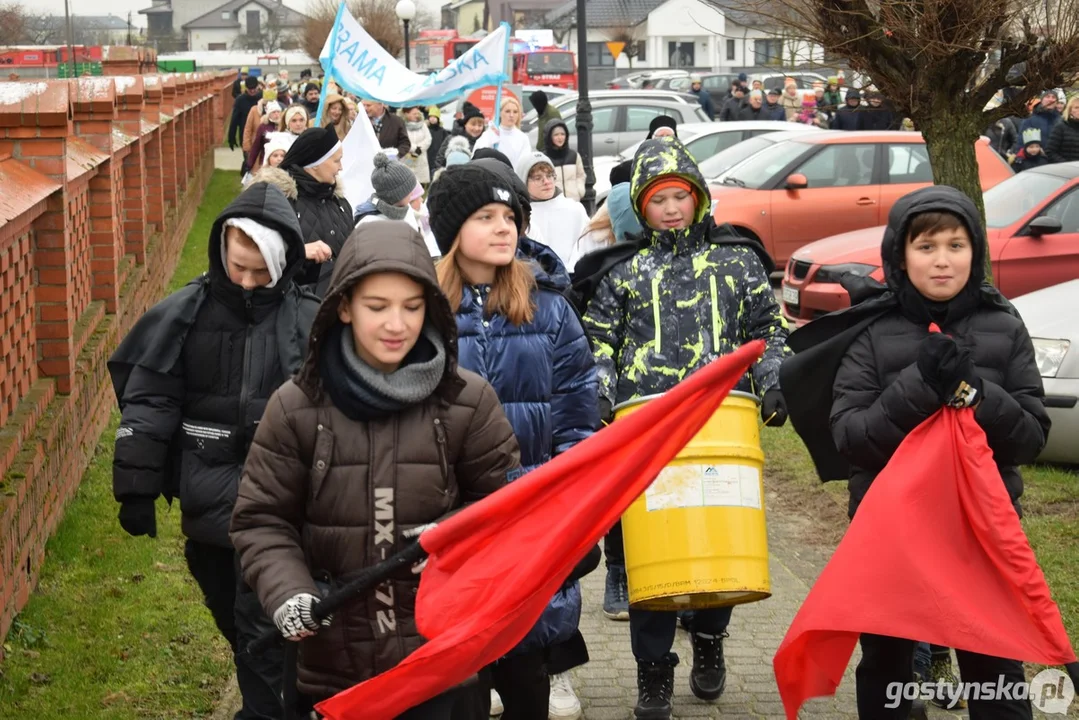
(358, 160)
(361, 66)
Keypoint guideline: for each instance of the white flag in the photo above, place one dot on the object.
(358, 160)
(364, 68)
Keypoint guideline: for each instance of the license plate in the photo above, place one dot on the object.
(790, 295)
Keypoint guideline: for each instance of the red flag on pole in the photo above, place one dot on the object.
(936, 524)
(494, 566)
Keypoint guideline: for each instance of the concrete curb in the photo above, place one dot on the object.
(229, 703)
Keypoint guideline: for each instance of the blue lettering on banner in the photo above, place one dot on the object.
(369, 66)
(343, 36)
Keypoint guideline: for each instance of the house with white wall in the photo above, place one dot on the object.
(701, 34)
(236, 25)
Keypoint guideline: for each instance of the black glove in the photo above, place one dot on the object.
(417, 152)
(948, 369)
(773, 408)
(606, 414)
(138, 517)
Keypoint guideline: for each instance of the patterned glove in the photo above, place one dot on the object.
(294, 618)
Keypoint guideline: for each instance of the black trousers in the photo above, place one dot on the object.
(888, 660)
(523, 684)
(613, 550)
(240, 619)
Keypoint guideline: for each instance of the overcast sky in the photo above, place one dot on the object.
(122, 7)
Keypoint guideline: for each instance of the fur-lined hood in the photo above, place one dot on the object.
(286, 183)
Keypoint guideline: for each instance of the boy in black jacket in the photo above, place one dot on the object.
(192, 379)
(894, 374)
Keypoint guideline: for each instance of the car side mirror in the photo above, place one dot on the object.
(797, 181)
(1044, 225)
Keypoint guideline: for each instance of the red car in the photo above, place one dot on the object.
(1033, 232)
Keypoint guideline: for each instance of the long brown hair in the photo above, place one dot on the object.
(511, 293)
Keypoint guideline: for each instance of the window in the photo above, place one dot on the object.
(226, 15)
(730, 49)
(254, 22)
(705, 147)
(768, 52)
(1066, 210)
(681, 54)
(908, 164)
(603, 120)
(553, 63)
(639, 117)
(599, 55)
(1007, 202)
(839, 165)
(641, 56)
(217, 46)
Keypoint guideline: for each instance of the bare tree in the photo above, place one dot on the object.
(12, 24)
(941, 61)
(630, 35)
(378, 18)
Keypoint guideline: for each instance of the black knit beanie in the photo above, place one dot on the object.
(484, 153)
(462, 190)
(313, 145)
(499, 164)
(662, 121)
(471, 111)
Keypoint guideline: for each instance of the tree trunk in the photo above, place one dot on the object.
(949, 138)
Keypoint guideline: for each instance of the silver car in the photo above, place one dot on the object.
(1055, 331)
(568, 102)
(619, 123)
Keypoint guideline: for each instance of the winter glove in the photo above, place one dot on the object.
(417, 152)
(294, 618)
(773, 408)
(948, 369)
(138, 517)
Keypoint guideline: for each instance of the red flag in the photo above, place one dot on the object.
(936, 524)
(494, 566)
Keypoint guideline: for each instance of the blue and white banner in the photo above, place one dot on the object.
(362, 67)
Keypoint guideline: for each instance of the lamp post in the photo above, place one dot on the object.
(584, 111)
(406, 11)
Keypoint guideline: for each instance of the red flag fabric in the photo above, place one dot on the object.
(936, 524)
(493, 567)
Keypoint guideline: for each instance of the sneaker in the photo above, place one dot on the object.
(563, 704)
(940, 671)
(616, 594)
(708, 678)
(655, 686)
(496, 704)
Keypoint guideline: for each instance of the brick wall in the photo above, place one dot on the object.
(102, 177)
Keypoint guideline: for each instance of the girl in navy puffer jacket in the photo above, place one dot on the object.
(517, 331)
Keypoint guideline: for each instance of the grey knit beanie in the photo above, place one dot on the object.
(391, 180)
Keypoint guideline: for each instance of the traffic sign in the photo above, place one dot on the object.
(616, 48)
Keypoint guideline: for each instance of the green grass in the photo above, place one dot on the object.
(1050, 512)
(116, 628)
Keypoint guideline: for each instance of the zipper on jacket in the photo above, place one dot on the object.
(715, 314)
(655, 313)
(244, 385)
(443, 460)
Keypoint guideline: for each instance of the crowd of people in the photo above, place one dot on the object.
(1049, 134)
(342, 377)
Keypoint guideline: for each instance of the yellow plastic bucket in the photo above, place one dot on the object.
(697, 537)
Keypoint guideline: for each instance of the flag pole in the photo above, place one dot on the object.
(329, 70)
(501, 77)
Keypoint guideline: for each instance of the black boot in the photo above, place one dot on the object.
(655, 686)
(708, 677)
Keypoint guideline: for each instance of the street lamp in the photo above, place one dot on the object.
(406, 10)
(584, 110)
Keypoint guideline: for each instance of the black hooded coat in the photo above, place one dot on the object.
(853, 389)
(194, 374)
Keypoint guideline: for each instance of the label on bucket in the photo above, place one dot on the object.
(684, 486)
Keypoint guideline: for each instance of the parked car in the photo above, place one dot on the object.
(568, 102)
(721, 162)
(704, 141)
(636, 79)
(1032, 222)
(619, 123)
(804, 79)
(718, 85)
(824, 183)
(1054, 329)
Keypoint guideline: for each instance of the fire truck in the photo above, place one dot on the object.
(435, 49)
(552, 66)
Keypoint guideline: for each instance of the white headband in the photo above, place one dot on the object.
(325, 157)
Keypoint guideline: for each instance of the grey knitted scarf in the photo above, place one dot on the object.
(411, 383)
(393, 212)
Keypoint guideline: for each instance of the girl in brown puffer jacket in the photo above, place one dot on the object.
(380, 432)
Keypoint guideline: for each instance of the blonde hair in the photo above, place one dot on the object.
(510, 99)
(600, 225)
(511, 292)
(1072, 102)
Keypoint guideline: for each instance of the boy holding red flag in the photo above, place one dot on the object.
(686, 292)
(893, 373)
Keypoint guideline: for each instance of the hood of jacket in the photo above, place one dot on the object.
(293, 180)
(389, 246)
(623, 217)
(547, 267)
(267, 205)
(935, 198)
(666, 157)
(563, 155)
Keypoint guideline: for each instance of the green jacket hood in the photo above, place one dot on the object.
(667, 156)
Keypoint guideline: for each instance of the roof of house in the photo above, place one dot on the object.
(88, 22)
(458, 4)
(214, 19)
(616, 13)
(159, 6)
